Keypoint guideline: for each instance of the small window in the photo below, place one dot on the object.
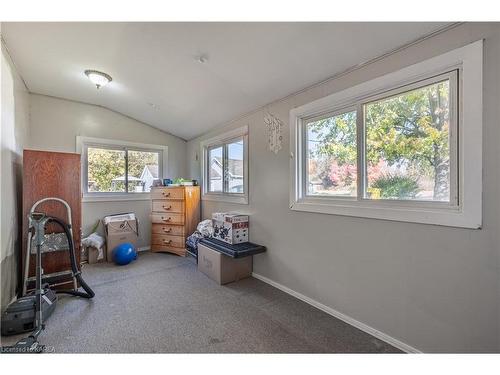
(143, 169)
(215, 171)
(106, 170)
(234, 168)
(405, 146)
(110, 168)
(225, 167)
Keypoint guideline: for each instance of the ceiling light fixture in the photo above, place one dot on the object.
(99, 79)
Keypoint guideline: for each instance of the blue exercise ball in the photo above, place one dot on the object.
(124, 253)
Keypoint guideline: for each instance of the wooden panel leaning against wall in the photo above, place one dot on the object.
(52, 174)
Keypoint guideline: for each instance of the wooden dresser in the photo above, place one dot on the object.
(175, 213)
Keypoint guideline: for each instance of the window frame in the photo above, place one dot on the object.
(305, 122)
(453, 76)
(82, 145)
(209, 149)
(223, 140)
(464, 207)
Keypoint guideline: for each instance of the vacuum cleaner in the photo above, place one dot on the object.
(29, 312)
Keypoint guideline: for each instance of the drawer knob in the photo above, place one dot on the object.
(166, 219)
(167, 207)
(167, 242)
(167, 230)
(165, 194)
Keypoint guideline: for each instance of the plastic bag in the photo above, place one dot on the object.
(94, 240)
(205, 228)
(192, 241)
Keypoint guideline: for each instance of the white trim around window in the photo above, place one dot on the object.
(82, 143)
(463, 68)
(222, 140)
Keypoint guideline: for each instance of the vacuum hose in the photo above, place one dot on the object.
(89, 293)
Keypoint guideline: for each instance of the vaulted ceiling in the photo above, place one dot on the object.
(157, 75)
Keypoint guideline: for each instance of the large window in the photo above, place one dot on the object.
(400, 147)
(111, 168)
(407, 146)
(225, 167)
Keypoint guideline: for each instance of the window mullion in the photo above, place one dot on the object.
(303, 154)
(225, 185)
(86, 168)
(126, 170)
(206, 169)
(360, 151)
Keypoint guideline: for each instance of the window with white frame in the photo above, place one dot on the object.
(225, 167)
(405, 146)
(114, 168)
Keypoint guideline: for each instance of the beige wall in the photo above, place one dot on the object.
(15, 120)
(434, 288)
(55, 123)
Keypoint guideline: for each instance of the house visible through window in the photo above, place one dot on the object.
(226, 168)
(215, 173)
(111, 168)
(142, 170)
(235, 167)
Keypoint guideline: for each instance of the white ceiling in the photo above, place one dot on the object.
(249, 64)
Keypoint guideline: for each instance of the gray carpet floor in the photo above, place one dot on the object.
(162, 304)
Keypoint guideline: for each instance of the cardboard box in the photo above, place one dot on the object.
(119, 229)
(96, 256)
(230, 228)
(221, 268)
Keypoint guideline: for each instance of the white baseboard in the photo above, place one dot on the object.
(362, 326)
(144, 248)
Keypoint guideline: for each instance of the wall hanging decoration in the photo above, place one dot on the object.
(274, 129)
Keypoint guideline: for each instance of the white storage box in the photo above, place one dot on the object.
(119, 217)
(230, 227)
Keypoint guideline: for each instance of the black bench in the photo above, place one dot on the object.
(240, 250)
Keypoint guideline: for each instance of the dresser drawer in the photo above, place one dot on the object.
(174, 230)
(168, 206)
(166, 240)
(167, 193)
(167, 218)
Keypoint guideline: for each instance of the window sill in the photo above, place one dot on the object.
(225, 198)
(116, 197)
(444, 215)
